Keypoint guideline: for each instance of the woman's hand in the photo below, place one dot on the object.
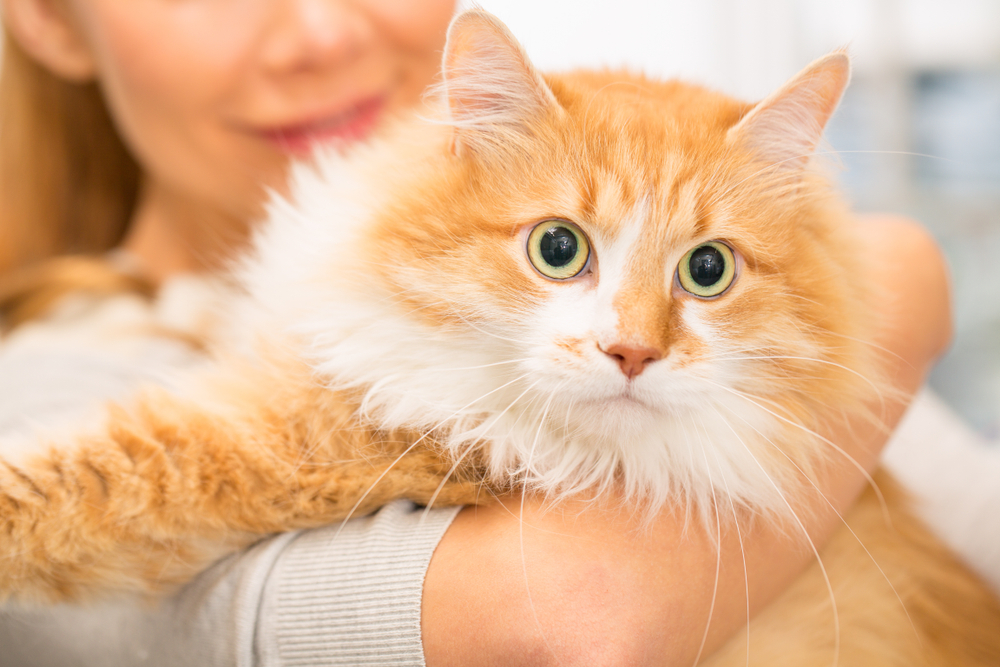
(517, 583)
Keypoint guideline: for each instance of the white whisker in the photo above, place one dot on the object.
(718, 562)
(836, 447)
(842, 520)
(468, 449)
(805, 533)
(475, 368)
(410, 448)
(874, 387)
(524, 561)
(739, 535)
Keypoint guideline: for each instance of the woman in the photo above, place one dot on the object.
(155, 128)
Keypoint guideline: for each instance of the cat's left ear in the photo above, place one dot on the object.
(495, 95)
(784, 129)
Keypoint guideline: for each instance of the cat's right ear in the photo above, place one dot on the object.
(785, 128)
(495, 95)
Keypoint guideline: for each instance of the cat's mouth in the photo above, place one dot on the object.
(627, 399)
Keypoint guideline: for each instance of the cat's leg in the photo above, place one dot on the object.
(170, 484)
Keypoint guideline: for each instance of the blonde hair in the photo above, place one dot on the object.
(68, 186)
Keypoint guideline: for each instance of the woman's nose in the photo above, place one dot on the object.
(310, 34)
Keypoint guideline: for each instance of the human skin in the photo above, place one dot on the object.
(213, 96)
(201, 90)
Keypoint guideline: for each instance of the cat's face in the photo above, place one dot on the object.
(607, 279)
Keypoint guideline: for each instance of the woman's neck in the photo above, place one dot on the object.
(172, 234)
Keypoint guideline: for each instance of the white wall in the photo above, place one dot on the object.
(748, 47)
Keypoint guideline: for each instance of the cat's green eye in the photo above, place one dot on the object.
(707, 270)
(558, 249)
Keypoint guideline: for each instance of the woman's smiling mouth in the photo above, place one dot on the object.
(344, 127)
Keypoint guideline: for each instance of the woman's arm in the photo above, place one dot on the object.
(519, 584)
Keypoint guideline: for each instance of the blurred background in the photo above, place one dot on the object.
(918, 131)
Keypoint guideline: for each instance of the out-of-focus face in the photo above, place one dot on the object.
(214, 96)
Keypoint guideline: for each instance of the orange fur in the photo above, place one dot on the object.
(173, 483)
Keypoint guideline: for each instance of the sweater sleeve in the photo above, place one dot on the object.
(331, 596)
(351, 596)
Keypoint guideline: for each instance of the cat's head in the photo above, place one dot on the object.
(594, 277)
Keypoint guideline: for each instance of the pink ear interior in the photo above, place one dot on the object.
(490, 84)
(784, 129)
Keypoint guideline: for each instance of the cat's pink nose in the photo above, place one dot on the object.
(632, 360)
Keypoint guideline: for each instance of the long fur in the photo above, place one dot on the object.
(396, 342)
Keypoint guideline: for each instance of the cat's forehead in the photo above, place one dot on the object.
(635, 107)
(672, 207)
(628, 153)
(635, 151)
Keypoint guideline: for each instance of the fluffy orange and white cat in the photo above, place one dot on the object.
(564, 283)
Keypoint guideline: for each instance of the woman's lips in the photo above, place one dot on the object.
(342, 128)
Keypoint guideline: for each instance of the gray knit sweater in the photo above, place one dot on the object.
(309, 598)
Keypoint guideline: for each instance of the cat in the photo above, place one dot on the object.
(562, 283)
